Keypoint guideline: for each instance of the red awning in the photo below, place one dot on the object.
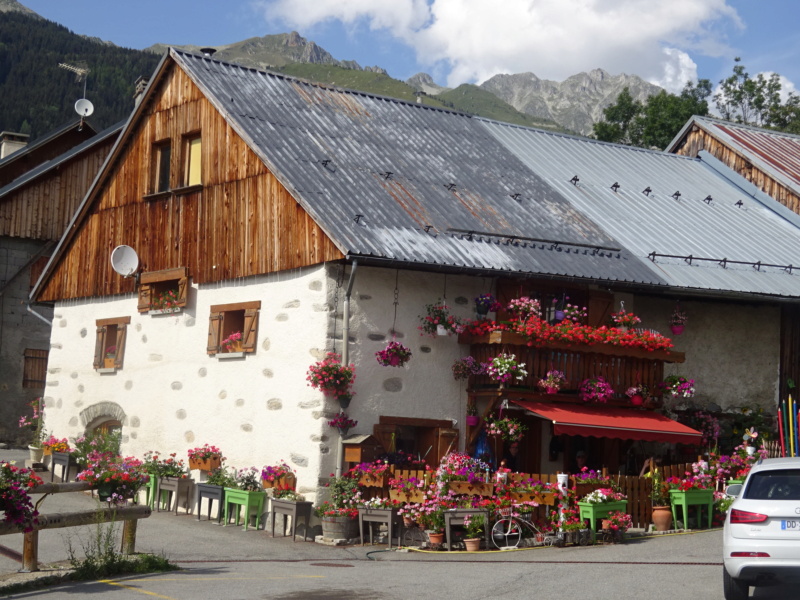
(612, 422)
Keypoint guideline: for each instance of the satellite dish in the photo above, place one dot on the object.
(84, 108)
(124, 260)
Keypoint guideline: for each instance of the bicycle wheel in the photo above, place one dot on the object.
(414, 537)
(506, 533)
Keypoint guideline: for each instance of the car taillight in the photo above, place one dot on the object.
(742, 516)
(749, 555)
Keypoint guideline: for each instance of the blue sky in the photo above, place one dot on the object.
(457, 41)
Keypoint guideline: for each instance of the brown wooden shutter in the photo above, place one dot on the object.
(448, 442)
(99, 347)
(214, 327)
(121, 331)
(183, 290)
(145, 291)
(601, 305)
(385, 433)
(250, 330)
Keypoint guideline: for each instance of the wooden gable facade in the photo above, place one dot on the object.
(697, 138)
(238, 221)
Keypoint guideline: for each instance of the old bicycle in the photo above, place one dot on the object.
(515, 528)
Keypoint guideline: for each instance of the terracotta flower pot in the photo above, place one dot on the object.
(436, 539)
(473, 544)
(662, 518)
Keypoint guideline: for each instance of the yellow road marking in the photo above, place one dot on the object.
(130, 587)
(191, 578)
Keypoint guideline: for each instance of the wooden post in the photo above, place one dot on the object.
(30, 552)
(129, 536)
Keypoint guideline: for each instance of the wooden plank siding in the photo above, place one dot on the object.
(698, 139)
(241, 222)
(42, 208)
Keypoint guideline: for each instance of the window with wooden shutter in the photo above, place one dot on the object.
(163, 291)
(34, 371)
(192, 154)
(233, 329)
(109, 348)
(160, 167)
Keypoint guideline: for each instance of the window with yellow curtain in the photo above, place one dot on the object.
(192, 153)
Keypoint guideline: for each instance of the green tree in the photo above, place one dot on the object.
(654, 123)
(748, 100)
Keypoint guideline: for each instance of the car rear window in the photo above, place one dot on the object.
(783, 484)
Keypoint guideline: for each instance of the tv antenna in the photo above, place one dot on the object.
(83, 106)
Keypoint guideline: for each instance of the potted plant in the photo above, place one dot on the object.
(624, 320)
(464, 367)
(233, 343)
(343, 423)
(472, 415)
(54, 444)
(432, 520)
(677, 321)
(339, 514)
(460, 473)
(116, 479)
(616, 524)
(439, 321)
(676, 386)
(575, 313)
(638, 394)
(333, 378)
(474, 527)
(213, 488)
(408, 490)
(165, 302)
(553, 381)
(524, 308)
(659, 495)
(17, 505)
(394, 355)
(486, 303)
(505, 368)
(510, 429)
(35, 423)
(248, 493)
(281, 476)
(599, 503)
(596, 389)
(205, 458)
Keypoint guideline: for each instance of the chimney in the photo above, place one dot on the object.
(208, 52)
(139, 88)
(11, 142)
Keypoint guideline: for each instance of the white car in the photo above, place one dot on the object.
(761, 536)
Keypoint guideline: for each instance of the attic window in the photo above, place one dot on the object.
(228, 320)
(160, 167)
(163, 292)
(192, 152)
(109, 347)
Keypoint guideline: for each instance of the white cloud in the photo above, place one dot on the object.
(551, 38)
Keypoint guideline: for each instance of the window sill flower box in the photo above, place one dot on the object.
(164, 311)
(229, 355)
(371, 480)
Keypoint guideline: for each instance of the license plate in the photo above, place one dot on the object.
(790, 525)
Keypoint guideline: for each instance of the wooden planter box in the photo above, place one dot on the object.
(407, 497)
(286, 482)
(584, 489)
(205, 464)
(476, 488)
(373, 480)
(545, 498)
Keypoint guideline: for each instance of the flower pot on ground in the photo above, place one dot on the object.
(436, 538)
(340, 527)
(36, 453)
(662, 518)
(472, 544)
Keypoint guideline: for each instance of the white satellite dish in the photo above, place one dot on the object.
(84, 108)
(124, 260)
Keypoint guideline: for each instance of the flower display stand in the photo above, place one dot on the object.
(456, 517)
(408, 497)
(175, 487)
(687, 498)
(475, 488)
(247, 500)
(387, 516)
(205, 464)
(210, 493)
(296, 509)
(598, 511)
(65, 460)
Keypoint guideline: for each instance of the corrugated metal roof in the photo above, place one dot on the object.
(774, 152)
(658, 222)
(432, 187)
(59, 160)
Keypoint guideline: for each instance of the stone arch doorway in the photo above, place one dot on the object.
(103, 417)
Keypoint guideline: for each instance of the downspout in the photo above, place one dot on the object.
(345, 348)
(35, 314)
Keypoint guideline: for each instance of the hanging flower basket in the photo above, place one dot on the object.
(504, 368)
(511, 430)
(439, 321)
(331, 377)
(552, 382)
(676, 386)
(625, 320)
(677, 320)
(596, 389)
(394, 355)
(343, 423)
(486, 303)
(524, 308)
(638, 394)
